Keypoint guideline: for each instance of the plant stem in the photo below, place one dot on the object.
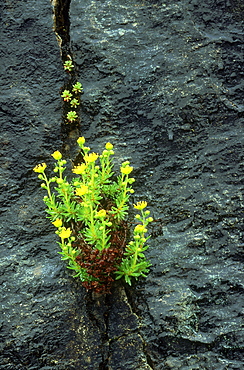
(92, 217)
(91, 200)
(60, 172)
(135, 258)
(48, 187)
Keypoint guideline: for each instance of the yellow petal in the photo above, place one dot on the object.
(65, 233)
(140, 205)
(126, 170)
(58, 222)
(40, 168)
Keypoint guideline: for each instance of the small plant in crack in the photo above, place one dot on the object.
(72, 116)
(77, 88)
(72, 101)
(68, 65)
(66, 95)
(90, 213)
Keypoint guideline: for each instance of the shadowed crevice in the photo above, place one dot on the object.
(62, 25)
(61, 21)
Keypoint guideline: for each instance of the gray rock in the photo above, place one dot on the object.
(162, 82)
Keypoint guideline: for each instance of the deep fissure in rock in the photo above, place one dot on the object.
(62, 25)
(98, 306)
(61, 22)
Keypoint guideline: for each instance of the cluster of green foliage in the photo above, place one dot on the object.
(72, 98)
(68, 65)
(90, 213)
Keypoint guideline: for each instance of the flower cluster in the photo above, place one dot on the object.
(90, 214)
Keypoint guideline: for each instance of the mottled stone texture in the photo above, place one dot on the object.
(162, 82)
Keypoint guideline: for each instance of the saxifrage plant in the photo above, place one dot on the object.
(90, 213)
(72, 99)
(68, 65)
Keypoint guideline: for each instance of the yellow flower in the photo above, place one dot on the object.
(83, 189)
(40, 168)
(109, 146)
(81, 140)
(58, 222)
(92, 157)
(140, 229)
(101, 213)
(126, 170)
(80, 169)
(140, 205)
(57, 155)
(65, 233)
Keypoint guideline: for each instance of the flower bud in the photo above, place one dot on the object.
(104, 153)
(57, 155)
(101, 213)
(109, 146)
(81, 140)
(137, 237)
(140, 229)
(126, 170)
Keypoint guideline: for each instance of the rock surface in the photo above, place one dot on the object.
(162, 82)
